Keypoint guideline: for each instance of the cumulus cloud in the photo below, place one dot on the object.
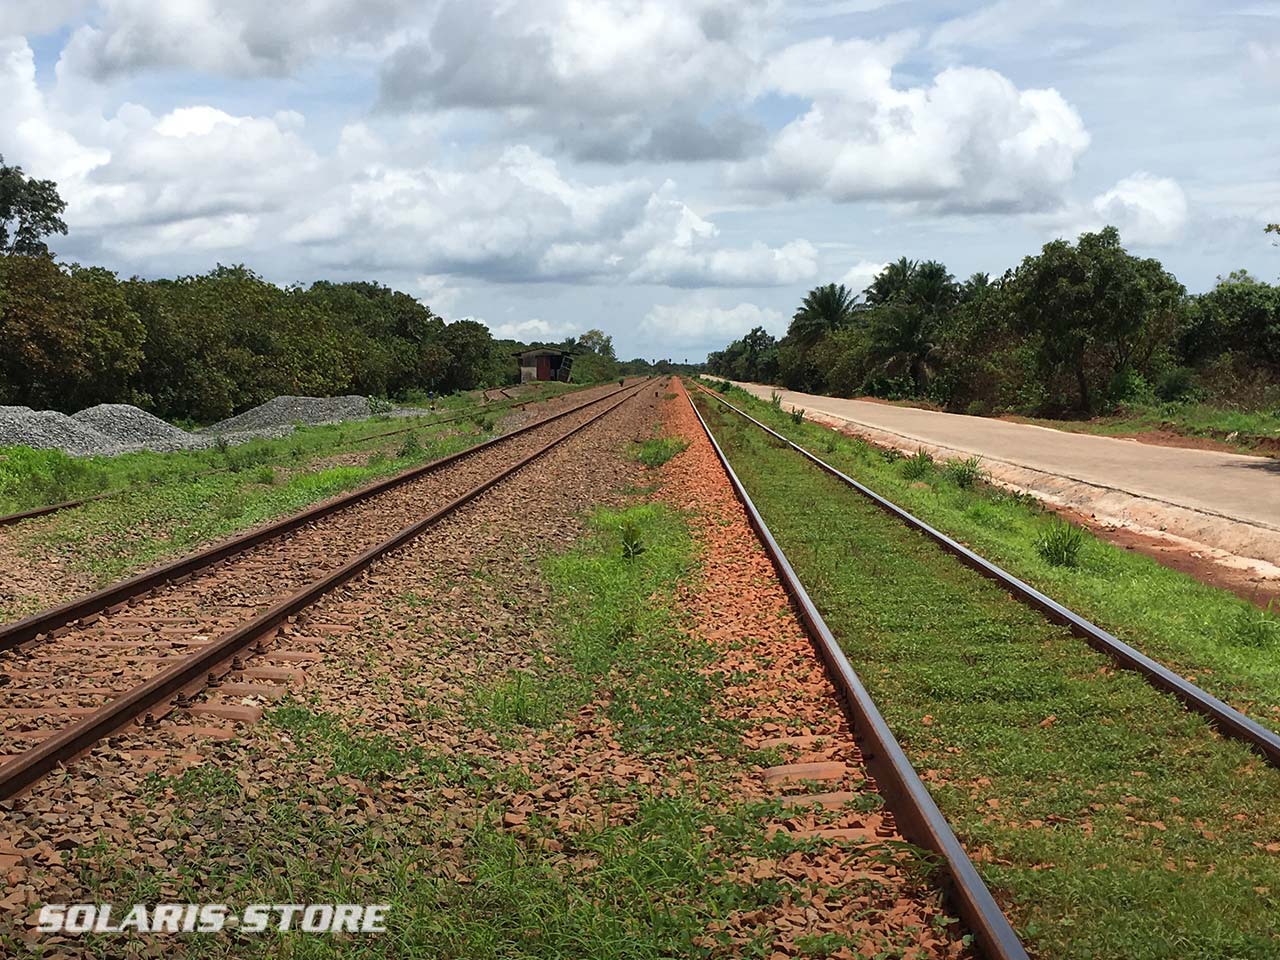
(531, 330)
(698, 325)
(1148, 210)
(199, 179)
(859, 276)
(608, 80)
(229, 37)
(969, 141)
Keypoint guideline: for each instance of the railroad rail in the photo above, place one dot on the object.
(916, 813)
(9, 519)
(158, 684)
(1226, 719)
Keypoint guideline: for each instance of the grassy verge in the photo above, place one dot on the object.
(36, 478)
(1250, 431)
(1228, 646)
(1109, 821)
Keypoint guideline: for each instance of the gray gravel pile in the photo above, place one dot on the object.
(45, 429)
(283, 411)
(136, 428)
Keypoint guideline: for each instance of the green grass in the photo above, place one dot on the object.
(1109, 821)
(656, 451)
(1198, 630)
(1245, 428)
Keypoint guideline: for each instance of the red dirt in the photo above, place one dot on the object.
(777, 687)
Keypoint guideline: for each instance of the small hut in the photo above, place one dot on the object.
(544, 363)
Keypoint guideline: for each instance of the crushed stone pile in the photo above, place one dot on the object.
(283, 411)
(133, 427)
(45, 429)
(112, 428)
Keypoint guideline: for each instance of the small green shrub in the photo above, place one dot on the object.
(410, 448)
(891, 454)
(632, 545)
(380, 407)
(963, 473)
(918, 466)
(656, 452)
(775, 400)
(376, 459)
(797, 415)
(1061, 543)
(265, 475)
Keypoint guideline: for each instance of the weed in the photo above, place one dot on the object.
(381, 407)
(410, 448)
(797, 415)
(775, 400)
(657, 451)
(632, 544)
(891, 454)
(1061, 543)
(1258, 628)
(918, 466)
(265, 475)
(376, 459)
(965, 474)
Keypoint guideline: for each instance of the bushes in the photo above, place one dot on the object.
(1061, 543)
(35, 478)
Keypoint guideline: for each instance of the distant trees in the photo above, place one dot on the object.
(1080, 326)
(30, 210)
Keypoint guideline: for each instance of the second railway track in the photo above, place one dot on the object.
(77, 672)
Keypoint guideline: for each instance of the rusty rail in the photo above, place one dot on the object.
(917, 814)
(66, 744)
(1226, 719)
(46, 621)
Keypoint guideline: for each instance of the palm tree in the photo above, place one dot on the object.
(824, 310)
(892, 283)
(904, 326)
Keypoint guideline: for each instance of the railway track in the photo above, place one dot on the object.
(1226, 719)
(916, 814)
(139, 649)
(491, 406)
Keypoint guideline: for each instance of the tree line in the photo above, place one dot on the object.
(204, 347)
(1079, 327)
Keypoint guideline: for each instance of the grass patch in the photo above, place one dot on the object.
(1061, 543)
(658, 450)
(1190, 626)
(1115, 824)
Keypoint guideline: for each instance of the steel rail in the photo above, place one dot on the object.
(29, 766)
(9, 519)
(1225, 718)
(917, 815)
(53, 618)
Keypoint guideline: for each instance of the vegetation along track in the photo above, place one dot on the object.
(917, 816)
(491, 406)
(1226, 718)
(1108, 821)
(79, 671)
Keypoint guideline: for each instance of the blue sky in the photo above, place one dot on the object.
(672, 171)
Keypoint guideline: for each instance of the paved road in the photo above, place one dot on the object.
(1240, 487)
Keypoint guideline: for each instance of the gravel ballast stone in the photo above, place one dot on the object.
(283, 411)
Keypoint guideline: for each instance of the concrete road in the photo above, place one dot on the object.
(1242, 488)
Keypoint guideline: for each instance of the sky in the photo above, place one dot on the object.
(673, 172)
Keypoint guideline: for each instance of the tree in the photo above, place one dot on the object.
(824, 310)
(597, 341)
(29, 210)
(1099, 312)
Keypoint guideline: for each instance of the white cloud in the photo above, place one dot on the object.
(27, 17)
(230, 37)
(1266, 58)
(969, 141)
(860, 275)
(1148, 210)
(530, 330)
(607, 80)
(1005, 21)
(697, 325)
(199, 178)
